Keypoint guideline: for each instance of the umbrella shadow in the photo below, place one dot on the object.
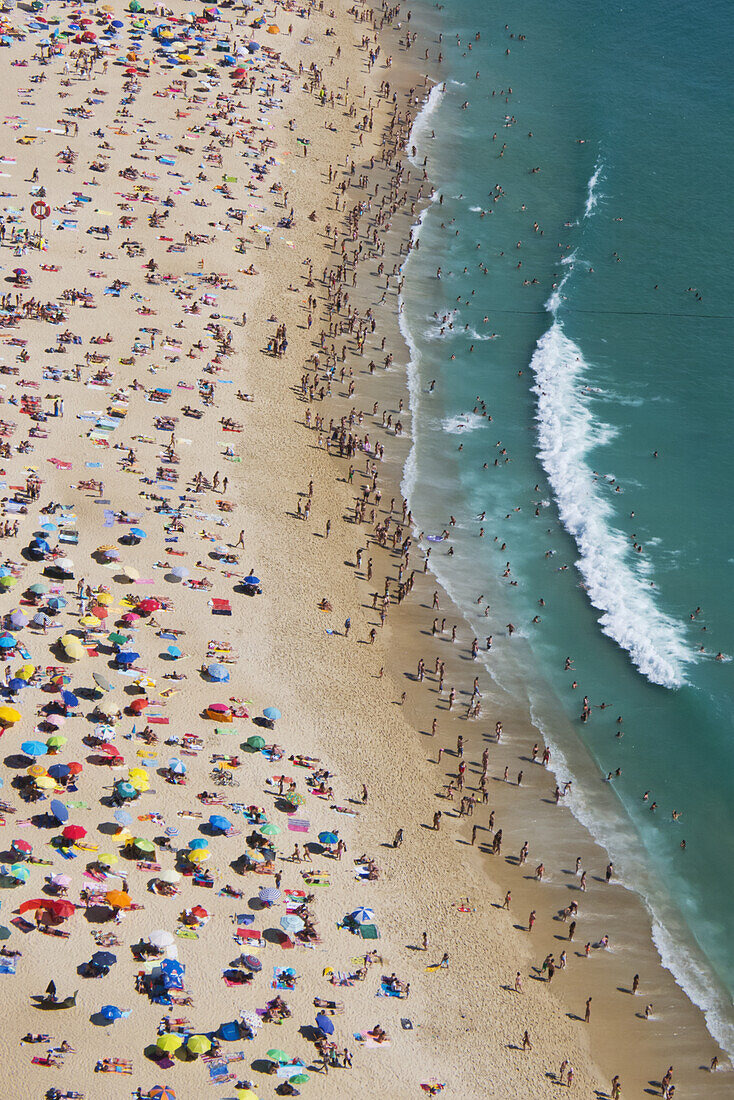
(18, 761)
(256, 905)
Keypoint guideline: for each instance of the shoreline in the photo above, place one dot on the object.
(646, 945)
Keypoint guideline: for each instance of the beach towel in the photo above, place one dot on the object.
(298, 825)
(369, 932)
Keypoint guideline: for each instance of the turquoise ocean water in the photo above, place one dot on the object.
(607, 337)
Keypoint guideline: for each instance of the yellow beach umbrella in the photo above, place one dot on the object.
(104, 599)
(169, 1043)
(198, 1044)
(90, 620)
(9, 715)
(140, 785)
(46, 783)
(107, 859)
(69, 639)
(273, 29)
(25, 672)
(136, 772)
(75, 652)
(36, 770)
(198, 855)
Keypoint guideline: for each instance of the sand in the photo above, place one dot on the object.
(465, 1022)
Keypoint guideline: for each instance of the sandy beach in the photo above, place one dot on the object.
(203, 223)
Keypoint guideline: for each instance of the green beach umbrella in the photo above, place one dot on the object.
(300, 1079)
(277, 1056)
(256, 742)
(198, 1044)
(270, 829)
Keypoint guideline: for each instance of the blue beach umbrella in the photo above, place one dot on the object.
(138, 532)
(34, 748)
(217, 821)
(325, 1024)
(272, 713)
(176, 766)
(59, 771)
(110, 1012)
(269, 895)
(328, 838)
(197, 843)
(104, 958)
(69, 699)
(59, 810)
(252, 579)
(126, 658)
(56, 603)
(291, 922)
(7, 641)
(218, 673)
(363, 916)
(173, 651)
(122, 817)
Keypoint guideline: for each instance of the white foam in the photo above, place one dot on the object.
(592, 197)
(463, 423)
(567, 433)
(420, 126)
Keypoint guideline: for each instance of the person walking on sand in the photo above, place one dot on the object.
(587, 1013)
(508, 899)
(518, 983)
(437, 821)
(444, 964)
(526, 1044)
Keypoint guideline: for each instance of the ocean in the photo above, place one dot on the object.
(569, 300)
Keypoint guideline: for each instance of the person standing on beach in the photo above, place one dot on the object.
(526, 1044)
(587, 1013)
(508, 899)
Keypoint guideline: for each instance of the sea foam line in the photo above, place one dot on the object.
(567, 433)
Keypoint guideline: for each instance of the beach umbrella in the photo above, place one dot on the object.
(198, 855)
(198, 842)
(162, 1092)
(102, 682)
(34, 903)
(291, 922)
(138, 705)
(102, 731)
(299, 1078)
(7, 641)
(218, 673)
(104, 598)
(256, 742)
(363, 916)
(104, 958)
(295, 799)
(107, 859)
(75, 767)
(127, 658)
(41, 619)
(19, 872)
(118, 899)
(74, 832)
(269, 895)
(276, 1055)
(160, 938)
(253, 580)
(60, 879)
(169, 1042)
(125, 790)
(171, 876)
(138, 532)
(271, 713)
(173, 651)
(328, 838)
(325, 1024)
(46, 783)
(110, 1012)
(18, 620)
(177, 766)
(270, 829)
(149, 605)
(74, 650)
(143, 845)
(99, 611)
(59, 771)
(38, 589)
(122, 817)
(55, 720)
(34, 748)
(130, 573)
(59, 810)
(245, 1094)
(22, 846)
(56, 741)
(61, 907)
(252, 963)
(9, 715)
(217, 821)
(198, 1044)
(36, 770)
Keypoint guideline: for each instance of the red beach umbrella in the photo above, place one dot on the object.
(74, 832)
